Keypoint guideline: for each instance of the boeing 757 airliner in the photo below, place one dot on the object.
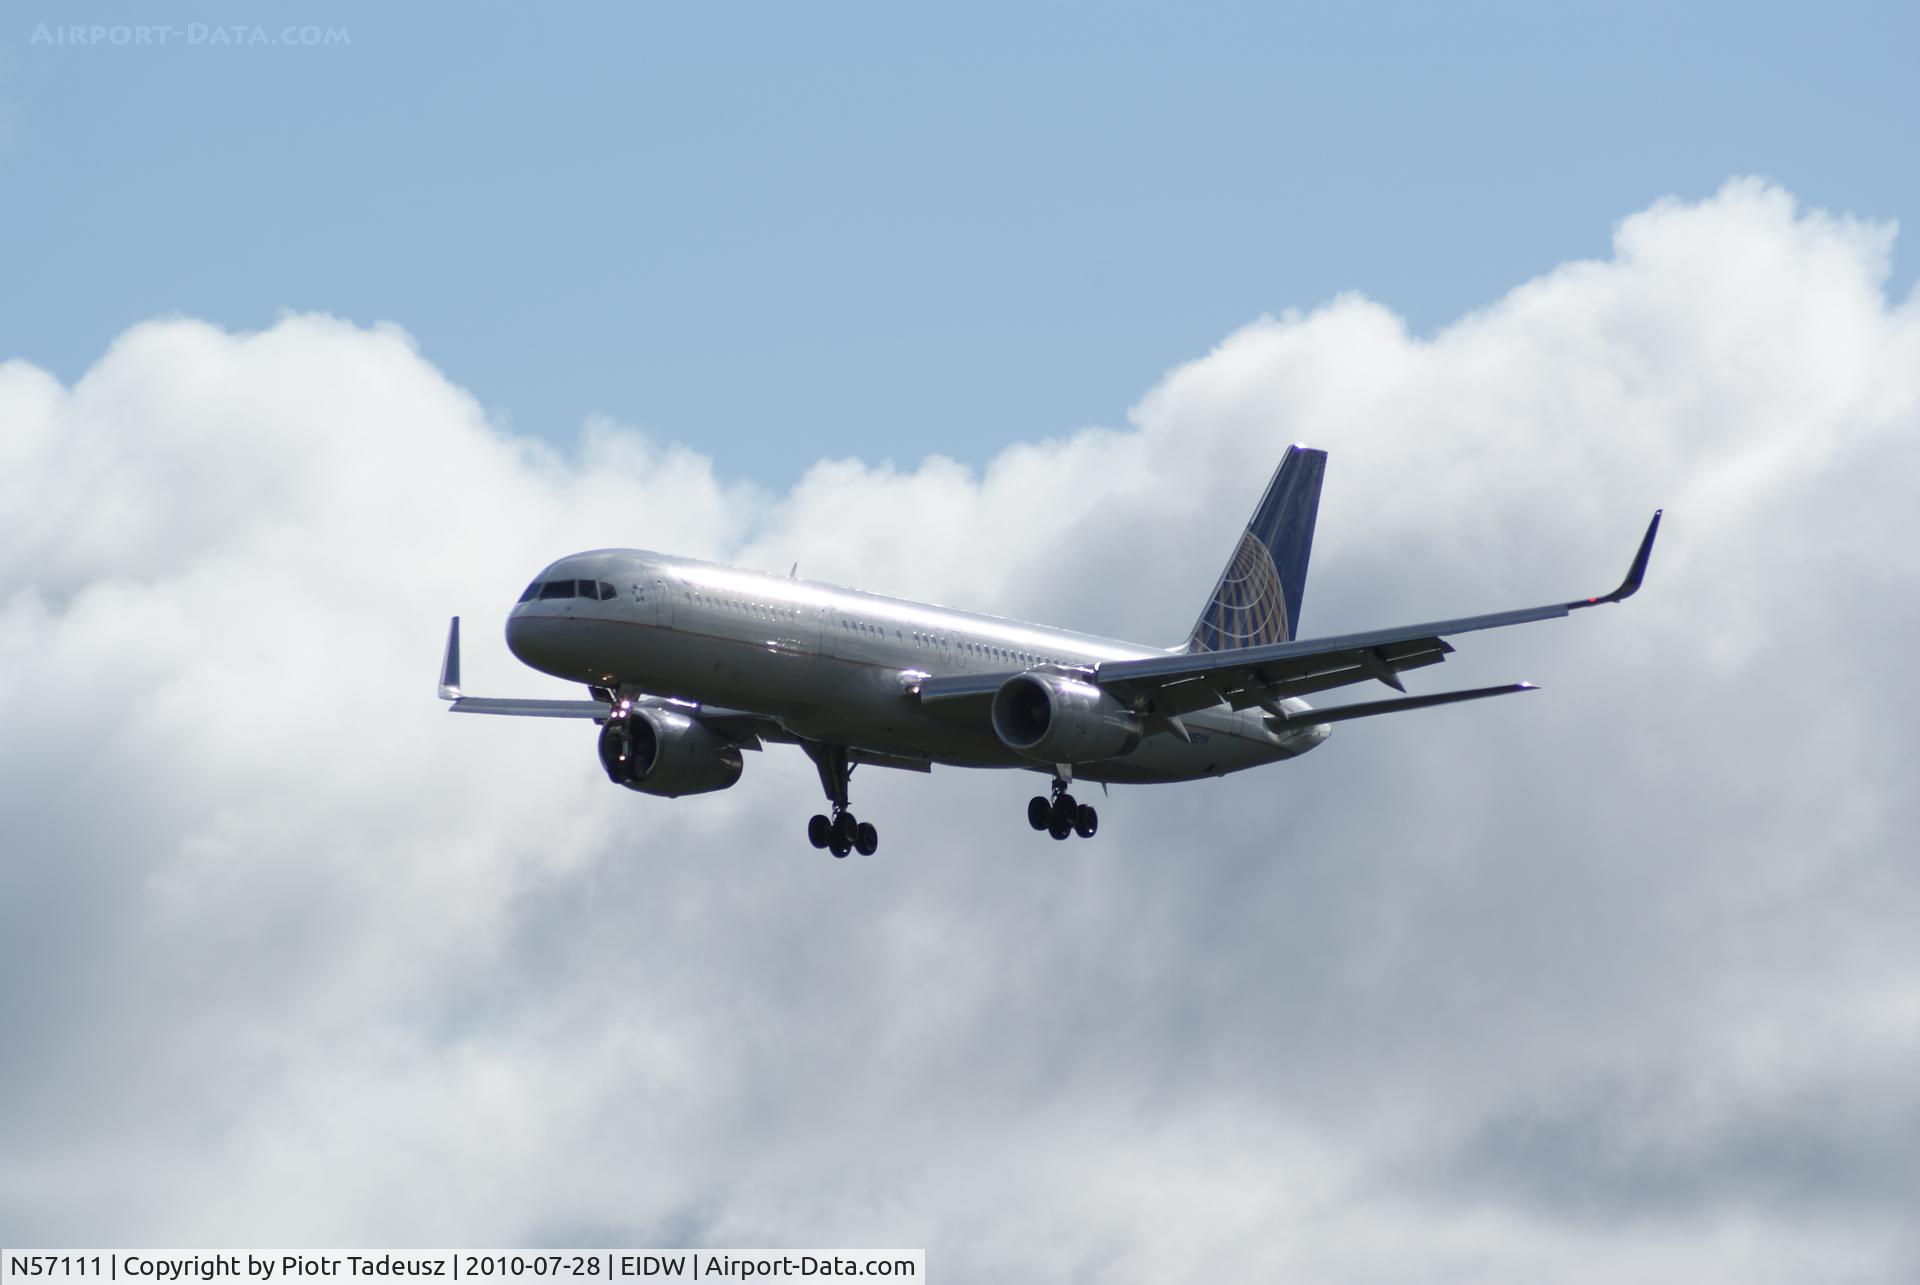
(688, 663)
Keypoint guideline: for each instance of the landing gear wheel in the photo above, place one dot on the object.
(1063, 813)
(1039, 812)
(837, 831)
(866, 839)
(1086, 821)
(1059, 829)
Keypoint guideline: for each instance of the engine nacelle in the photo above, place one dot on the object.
(662, 751)
(1057, 719)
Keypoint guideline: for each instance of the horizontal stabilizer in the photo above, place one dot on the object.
(1367, 709)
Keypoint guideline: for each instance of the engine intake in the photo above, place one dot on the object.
(1057, 719)
(661, 751)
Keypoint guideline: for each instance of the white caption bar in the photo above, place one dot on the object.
(391, 1266)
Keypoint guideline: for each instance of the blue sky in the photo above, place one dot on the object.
(787, 232)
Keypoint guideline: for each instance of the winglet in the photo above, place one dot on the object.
(1635, 573)
(450, 666)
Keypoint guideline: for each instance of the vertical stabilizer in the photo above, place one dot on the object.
(1257, 600)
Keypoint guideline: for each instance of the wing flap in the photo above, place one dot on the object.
(880, 758)
(529, 708)
(959, 698)
(957, 687)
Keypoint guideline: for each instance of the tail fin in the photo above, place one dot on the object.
(1258, 598)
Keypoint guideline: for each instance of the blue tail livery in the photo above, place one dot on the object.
(1257, 601)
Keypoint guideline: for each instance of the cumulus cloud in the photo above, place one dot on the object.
(1614, 981)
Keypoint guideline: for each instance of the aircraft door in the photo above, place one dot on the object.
(832, 638)
(796, 630)
(651, 603)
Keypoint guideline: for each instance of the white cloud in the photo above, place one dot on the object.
(1614, 981)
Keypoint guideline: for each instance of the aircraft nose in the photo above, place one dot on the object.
(520, 637)
(544, 641)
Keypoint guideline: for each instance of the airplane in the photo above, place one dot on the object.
(688, 663)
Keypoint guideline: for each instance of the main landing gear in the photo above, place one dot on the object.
(1061, 815)
(841, 833)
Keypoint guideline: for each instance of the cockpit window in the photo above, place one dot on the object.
(556, 589)
(607, 591)
(533, 591)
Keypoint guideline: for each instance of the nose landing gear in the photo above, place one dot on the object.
(1062, 815)
(841, 832)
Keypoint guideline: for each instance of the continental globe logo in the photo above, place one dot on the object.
(1248, 608)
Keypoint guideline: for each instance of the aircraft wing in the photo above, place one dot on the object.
(528, 708)
(742, 726)
(464, 704)
(1181, 683)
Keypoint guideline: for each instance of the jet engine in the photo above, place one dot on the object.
(1057, 719)
(658, 750)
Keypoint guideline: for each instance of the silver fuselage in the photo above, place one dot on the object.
(838, 665)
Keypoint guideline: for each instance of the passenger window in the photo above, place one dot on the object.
(556, 589)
